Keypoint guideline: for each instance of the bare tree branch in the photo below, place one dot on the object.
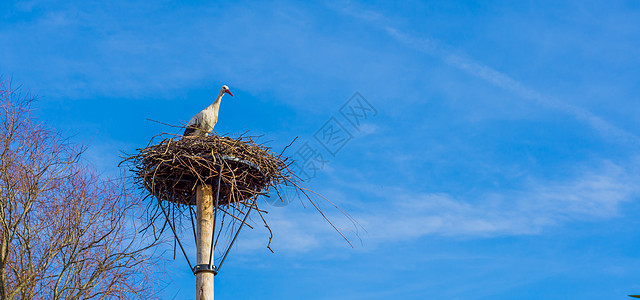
(65, 233)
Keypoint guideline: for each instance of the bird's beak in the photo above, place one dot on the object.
(229, 92)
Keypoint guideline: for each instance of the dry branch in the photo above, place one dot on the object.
(171, 169)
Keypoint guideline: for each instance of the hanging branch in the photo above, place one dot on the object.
(170, 169)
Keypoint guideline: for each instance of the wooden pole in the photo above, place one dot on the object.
(204, 216)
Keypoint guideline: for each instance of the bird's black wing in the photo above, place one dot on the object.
(192, 128)
(189, 130)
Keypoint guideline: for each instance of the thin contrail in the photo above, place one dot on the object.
(490, 75)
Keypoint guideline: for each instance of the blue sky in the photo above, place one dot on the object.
(501, 164)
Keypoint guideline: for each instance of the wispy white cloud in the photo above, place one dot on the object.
(367, 129)
(400, 214)
(592, 196)
(456, 58)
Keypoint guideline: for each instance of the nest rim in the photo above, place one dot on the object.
(172, 168)
(212, 181)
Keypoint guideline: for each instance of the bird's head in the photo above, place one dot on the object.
(225, 89)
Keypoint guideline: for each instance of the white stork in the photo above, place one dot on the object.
(203, 122)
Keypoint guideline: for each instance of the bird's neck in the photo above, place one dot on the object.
(216, 104)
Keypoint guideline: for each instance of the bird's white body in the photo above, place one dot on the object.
(203, 122)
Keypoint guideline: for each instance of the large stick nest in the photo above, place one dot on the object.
(171, 169)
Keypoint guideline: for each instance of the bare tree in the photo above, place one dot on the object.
(65, 233)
